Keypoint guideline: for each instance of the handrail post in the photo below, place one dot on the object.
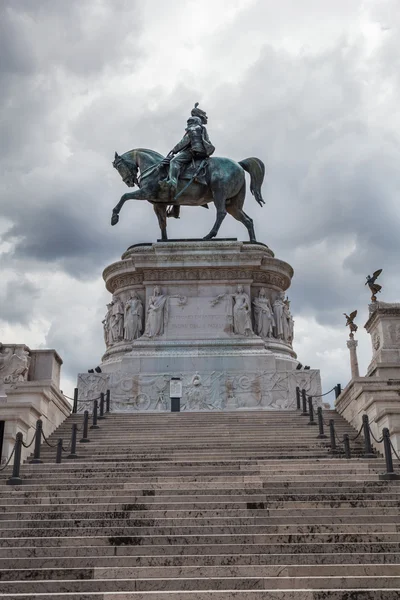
(38, 440)
(368, 450)
(59, 451)
(311, 411)
(15, 479)
(94, 423)
(108, 398)
(346, 441)
(298, 400)
(101, 415)
(332, 435)
(304, 399)
(75, 405)
(85, 438)
(338, 390)
(73, 453)
(390, 474)
(321, 434)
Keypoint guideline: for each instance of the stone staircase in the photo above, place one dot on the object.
(201, 506)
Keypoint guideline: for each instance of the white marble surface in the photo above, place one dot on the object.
(200, 325)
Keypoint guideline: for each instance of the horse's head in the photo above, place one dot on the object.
(127, 169)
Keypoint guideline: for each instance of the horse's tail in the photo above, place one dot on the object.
(256, 169)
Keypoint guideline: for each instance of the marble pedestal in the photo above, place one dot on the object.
(194, 336)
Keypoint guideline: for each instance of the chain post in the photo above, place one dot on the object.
(390, 474)
(368, 450)
(74, 432)
(304, 400)
(332, 435)
(346, 441)
(108, 398)
(321, 434)
(38, 439)
(94, 424)
(59, 451)
(338, 390)
(85, 438)
(101, 412)
(311, 411)
(75, 405)
(298, 399)
(15, 479)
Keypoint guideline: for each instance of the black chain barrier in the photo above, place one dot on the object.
(365, 428)
(16, 453)
(308, 409)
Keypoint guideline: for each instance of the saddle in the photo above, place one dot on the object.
(188, 171)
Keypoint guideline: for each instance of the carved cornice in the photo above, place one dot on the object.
(270, 278)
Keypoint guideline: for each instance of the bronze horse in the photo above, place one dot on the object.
(226, 187)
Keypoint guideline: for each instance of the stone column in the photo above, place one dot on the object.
(352, 346)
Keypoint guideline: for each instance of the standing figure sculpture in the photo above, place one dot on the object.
(117, 320)
(288, 323)
(374, 287)
(133, 322)
(108, 340)
(263, 316)
(241, 313)
(157, 314)
(278, 307)
(167, 184)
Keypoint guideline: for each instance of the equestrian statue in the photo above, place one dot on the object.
(189, 175)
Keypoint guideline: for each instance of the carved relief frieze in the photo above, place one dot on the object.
(216, 390)
(124, 281)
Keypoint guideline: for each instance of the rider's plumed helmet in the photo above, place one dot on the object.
(197, 112)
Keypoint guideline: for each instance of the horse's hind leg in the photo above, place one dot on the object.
(161, 212)
(234, 208)
(219, 201)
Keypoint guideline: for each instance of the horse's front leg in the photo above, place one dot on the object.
(161, 212)
(219, 201)
(138, 195)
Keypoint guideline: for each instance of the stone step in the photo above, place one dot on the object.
(203, 571)
(133, 536)
(294, 594)
(199, 584)
(70, 562)
(127, 511)
(145, 527)
(125, 546)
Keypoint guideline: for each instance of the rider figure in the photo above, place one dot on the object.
(195, 144)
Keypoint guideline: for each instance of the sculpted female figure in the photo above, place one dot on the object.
(279, 316)
(241, 313)
(108, 339)
(133, 318)
(156, 314)
(117, 319)
(263, 315)
(288, 323)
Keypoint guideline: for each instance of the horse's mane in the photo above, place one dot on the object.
(152, 153)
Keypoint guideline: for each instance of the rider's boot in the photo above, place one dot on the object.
(173, 175)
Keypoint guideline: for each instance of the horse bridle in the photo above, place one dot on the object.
(132, 168)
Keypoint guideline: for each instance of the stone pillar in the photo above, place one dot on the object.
(383, 326)
(352, 346)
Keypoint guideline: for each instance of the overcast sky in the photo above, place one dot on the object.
(309, 86)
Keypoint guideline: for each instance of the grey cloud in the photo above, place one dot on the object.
(17, 300)
(318, 119)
